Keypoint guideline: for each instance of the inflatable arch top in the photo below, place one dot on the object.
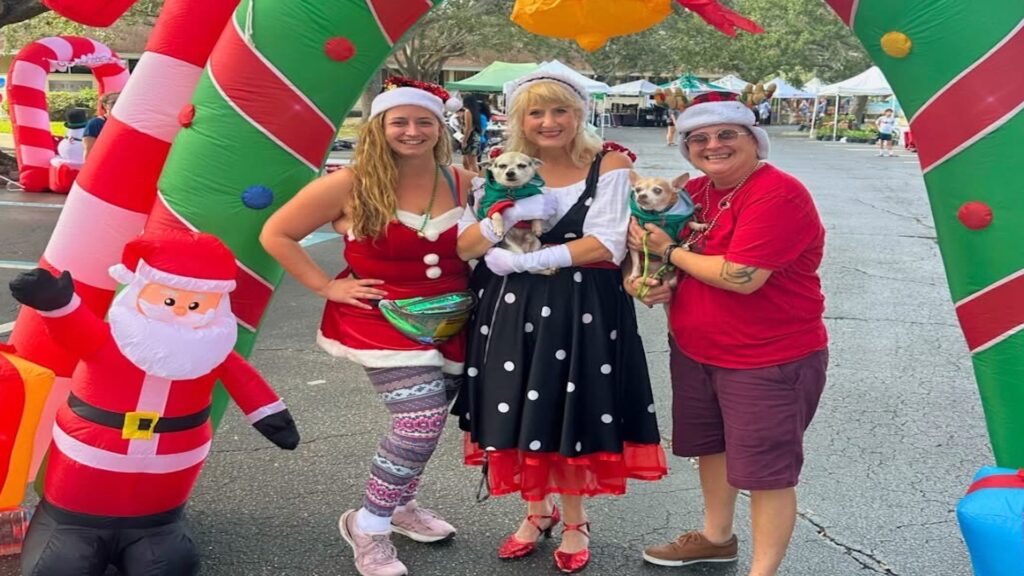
(26, 96)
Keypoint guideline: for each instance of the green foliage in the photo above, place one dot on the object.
(61, 102)
(852, 136)
(802, 38)
(15, 36)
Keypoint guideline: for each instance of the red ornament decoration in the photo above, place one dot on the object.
(186, 115)
(975, 215)
(339, 49)
(400, 81)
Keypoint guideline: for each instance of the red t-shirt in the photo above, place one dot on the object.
(772, 223)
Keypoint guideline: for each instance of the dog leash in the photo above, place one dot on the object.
(642, 291)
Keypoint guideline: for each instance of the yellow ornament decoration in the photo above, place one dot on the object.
(589, 22)
(896, 44)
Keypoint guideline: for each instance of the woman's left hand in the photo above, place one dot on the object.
(502, 262)
(657, 239)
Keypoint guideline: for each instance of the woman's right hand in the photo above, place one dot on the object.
(658, 292)
(352, 291)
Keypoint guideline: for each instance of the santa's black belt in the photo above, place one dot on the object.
(137, 425)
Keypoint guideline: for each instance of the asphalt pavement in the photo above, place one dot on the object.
(897, 437)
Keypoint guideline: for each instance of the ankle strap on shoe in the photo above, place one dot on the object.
(582, 527)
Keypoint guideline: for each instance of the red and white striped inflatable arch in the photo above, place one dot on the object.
(26, 96)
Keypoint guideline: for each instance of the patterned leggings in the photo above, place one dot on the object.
(417, 398)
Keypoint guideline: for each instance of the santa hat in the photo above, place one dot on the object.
(400, 91)
(192, 261)
(514, 88)
(713, 108)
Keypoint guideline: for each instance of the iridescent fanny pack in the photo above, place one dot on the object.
(431, 319)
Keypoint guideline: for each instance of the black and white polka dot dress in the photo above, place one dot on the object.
(557, 394)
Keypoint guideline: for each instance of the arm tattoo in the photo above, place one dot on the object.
(737, 274)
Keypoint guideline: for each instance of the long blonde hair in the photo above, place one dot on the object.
(585, 144)
(374, 199)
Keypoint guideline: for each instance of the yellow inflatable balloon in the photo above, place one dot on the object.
(589, 22)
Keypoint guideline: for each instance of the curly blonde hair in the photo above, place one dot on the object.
(585, 144)
(374, 201)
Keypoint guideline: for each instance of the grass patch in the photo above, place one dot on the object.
(56, 127)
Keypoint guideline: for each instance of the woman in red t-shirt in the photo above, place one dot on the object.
(749, 346)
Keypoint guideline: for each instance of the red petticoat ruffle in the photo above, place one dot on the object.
(538, 474)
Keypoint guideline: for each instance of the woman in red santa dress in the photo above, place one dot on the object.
(130, 442)
(398, 206)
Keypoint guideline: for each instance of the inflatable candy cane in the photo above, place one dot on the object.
(26, 96)
(956, 68)
(278, 85)
(113, 194)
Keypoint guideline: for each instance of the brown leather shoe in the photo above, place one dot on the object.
(692, 548)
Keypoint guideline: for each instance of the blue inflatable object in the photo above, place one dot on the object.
(991, 518)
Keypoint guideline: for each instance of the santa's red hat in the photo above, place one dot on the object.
(193, 261)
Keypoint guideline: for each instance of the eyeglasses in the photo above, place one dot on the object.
(727, 136)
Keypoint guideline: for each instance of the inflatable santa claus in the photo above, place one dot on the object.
(131, 440)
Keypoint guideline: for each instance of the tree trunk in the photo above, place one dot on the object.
(860, 106)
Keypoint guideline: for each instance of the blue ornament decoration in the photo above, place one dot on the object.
(257, 197)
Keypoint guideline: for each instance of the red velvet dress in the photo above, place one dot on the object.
(410, 266)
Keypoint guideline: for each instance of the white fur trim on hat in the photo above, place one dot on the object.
(409, 96)
(515, 87)
(729, 112)
(122, 274)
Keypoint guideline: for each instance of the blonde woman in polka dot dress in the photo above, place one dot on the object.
(399, 207)
(557, 399)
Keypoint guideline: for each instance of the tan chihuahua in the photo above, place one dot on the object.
(665, 204)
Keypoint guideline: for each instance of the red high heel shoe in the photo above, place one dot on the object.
(572, 562)
(513, 547)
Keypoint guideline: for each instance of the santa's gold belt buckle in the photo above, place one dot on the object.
(139, 425)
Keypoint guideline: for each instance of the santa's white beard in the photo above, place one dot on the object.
(171, 350)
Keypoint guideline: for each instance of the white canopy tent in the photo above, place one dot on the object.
(784, 90)
(635, 88)
(870, 82)
(732, 82)
(813, 85)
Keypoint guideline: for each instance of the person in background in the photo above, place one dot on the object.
(765, 113)
(92, 130)
(886, 124)
(472, 131)
(670, 134)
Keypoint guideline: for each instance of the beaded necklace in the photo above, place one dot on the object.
(430, 205)
(724, 204)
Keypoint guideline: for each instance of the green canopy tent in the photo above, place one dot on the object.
(689, 83)
(493, 77)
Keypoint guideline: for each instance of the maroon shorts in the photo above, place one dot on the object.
(756, 416)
